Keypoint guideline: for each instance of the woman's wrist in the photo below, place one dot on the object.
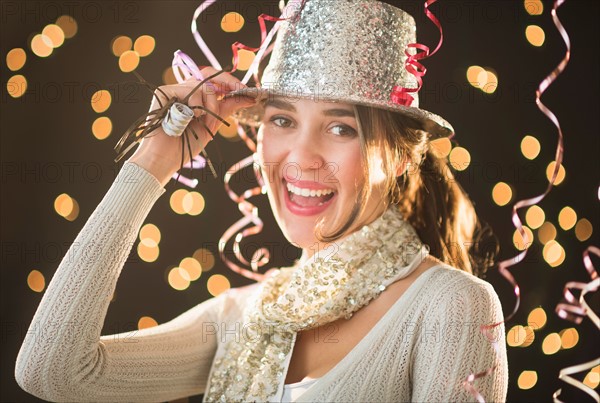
(161, 170)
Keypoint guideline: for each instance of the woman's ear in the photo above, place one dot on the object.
(401, 168)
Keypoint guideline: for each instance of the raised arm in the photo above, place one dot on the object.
(63, 357)
(451, 346)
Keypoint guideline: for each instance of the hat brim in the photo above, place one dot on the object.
(252, 116)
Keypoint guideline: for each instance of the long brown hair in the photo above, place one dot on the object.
(427, 194)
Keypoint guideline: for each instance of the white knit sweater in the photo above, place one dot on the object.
(421, 350)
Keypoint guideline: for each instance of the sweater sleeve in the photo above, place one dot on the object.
(64, 357)
(451, 346)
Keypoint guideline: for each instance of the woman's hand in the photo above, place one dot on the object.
(160, 154)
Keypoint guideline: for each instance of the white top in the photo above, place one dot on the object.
(293, 391)
(420, 350)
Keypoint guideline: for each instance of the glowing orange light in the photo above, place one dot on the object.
(36, 281)
(68, 25)
(120, 45)
(146, 322)
(144, 45)
(217, 284)
(16, 86)
(102, 127)
(55, 34)
(15, 59)
(502, 194)
(205, 257)
(527, 380)
(128, 61)
(232, 22)
(460, 158)
(101, 101)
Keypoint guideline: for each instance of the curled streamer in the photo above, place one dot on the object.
(505, 264)
(575, 310)
(402, 95)
(185, 68)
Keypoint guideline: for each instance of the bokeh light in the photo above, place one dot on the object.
(530, 147)
(193, 203)
(546, 232)
(559, 177)
(537, 318)
(55, 34)
(150, 231)
(192, 267)
(15, 59)
(475, 74)
(533, 7)
(102, 127)
(527, 380)
(178, 278)
(516, 336)
(529, 336)
(205, 257)
(16, 86)
(502, 194)
(144, 45)
(120, 45)
(491, 83)
(146, 322)
(554, 253)
(68, 25)
(176, 201)
(592, 379)
(128, 61)
(551, 343)
(535, 35)
(217, 284)
(583, 229)
(148, 253)
(535, 216)
(245, 59)
(567, 218)
(101, 101)
(36, 281)
(518, 240)
(41, 45)
(229, 131)
(459, 158)
(66, 206)
(569, 337)
(168, 77)
(232, 22)
(441, 147)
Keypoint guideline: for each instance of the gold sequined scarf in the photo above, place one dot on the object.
(332, 284)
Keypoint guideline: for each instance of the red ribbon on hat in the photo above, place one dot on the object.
(402, 95)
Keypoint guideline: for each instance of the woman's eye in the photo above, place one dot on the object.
(281, 121)
(344, 131)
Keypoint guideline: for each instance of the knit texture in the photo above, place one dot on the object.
(421, 350)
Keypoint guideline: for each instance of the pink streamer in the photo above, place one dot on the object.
(575, 310)
(184, 68)
(505, 264)
(401, 95)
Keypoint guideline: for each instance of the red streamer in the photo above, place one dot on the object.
(402, 95)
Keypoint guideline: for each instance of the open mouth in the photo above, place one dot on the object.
(305, 197)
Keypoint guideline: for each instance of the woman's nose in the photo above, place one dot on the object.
(305, 151)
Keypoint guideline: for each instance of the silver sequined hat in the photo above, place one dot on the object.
(350, 51)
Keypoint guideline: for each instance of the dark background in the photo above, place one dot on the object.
(42, 129)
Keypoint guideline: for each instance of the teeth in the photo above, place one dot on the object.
(308, 192)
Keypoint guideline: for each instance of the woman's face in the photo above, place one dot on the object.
(310, 156)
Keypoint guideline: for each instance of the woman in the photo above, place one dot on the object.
(382, 305)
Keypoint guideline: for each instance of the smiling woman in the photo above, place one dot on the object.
(381, 306)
